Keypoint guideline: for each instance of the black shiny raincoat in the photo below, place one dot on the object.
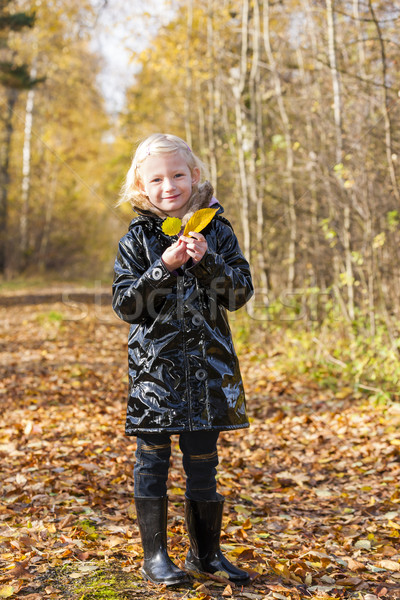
(183, 370)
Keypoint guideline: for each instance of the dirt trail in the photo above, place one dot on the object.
(312, 488)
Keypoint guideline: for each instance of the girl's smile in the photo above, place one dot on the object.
(168, 181)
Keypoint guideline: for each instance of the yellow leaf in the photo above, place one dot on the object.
(242, 509)
(171, 226)
(258, 569)
(199, 220)
(349, 183)
(222, 574)
(177, 491)
(6, 591)
(247, 524)
(131, 511)
(282, 570)
(238, 550)
(344, 392)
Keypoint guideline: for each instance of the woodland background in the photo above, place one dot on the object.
(294, 106)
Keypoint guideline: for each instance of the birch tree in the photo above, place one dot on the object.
(289, 168)
(238, 80)
(339, 155)
(14, 78)
(26, 169)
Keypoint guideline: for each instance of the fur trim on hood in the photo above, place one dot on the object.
(200, 198)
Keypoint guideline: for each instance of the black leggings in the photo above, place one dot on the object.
(200, 459)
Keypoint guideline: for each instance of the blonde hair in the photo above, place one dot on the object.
(155, 144)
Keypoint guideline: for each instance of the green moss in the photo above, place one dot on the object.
(52, 316)
(89, 528)
(99, 589)
(108, 582)
(104, 585)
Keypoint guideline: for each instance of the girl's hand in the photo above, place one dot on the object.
(196, 245)
(175, 256)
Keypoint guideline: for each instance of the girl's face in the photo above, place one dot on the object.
(167, 181)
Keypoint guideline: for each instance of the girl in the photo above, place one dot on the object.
(184, 375)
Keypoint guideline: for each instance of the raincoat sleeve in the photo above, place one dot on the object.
(225, 273)
(138, 292)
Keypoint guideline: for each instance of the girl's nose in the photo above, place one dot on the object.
(168, 184)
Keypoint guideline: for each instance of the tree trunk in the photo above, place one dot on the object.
(289, 170)
(314, 251)
(5, 151)
(337, 110)
(48, 216)
(188, 70)
(385, 109)
(26, 173)
(211, 93)
(200, 119)
(238, 84)
(258, 154)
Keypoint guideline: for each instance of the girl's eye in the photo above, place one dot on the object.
(179, 175)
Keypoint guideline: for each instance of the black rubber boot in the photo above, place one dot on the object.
(203, 521)
(152, 520)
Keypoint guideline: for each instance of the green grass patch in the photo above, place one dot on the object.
(49, 282)
(52, 316)
(98, 586)
(357, 357)
(94, 580)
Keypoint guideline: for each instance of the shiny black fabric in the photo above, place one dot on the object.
(183, 370)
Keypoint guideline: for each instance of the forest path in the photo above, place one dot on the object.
(312, 488)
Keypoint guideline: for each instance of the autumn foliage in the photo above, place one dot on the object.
(312, 488)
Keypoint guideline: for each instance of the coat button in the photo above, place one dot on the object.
(157, 273)
(209, 261)
(197, 320)
(201, 374)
